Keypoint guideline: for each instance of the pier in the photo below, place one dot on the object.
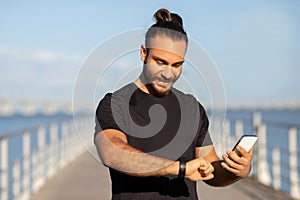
(93, 183)
(57, 161)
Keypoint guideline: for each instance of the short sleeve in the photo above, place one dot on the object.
(104, 117)
(203, 133)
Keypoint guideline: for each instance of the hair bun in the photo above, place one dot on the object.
(164, 15)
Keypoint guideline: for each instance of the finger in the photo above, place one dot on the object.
(250, 153)
(243, 160)
(208, 170)
(239, 164)
(241, 151)
(245, 156)
(207, 177)
(233, 156)
(231, 163)
(205, 173)
(225, 165)
(206, 167)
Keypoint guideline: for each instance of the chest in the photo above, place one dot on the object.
(161, 127)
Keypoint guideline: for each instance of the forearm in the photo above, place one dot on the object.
(119, 155)
(222, 177)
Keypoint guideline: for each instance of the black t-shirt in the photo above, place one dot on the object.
(170, 126)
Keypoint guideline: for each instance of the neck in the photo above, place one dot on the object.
(140, 84)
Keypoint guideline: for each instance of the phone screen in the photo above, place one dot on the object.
(246, 141)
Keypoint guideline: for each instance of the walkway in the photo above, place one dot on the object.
(85, 178)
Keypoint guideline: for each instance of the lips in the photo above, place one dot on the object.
(162, 83)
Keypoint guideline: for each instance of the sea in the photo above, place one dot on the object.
(278, 122)
(18, 122)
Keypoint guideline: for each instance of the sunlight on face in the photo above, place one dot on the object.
(163, 62)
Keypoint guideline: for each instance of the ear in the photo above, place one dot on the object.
(143, 52)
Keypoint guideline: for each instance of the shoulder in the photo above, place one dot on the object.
(188, 99)
(117, 98)
(125, 91)
(120, 93)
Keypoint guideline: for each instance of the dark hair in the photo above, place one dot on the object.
(167, 24)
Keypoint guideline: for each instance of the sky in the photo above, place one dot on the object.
(253, 44)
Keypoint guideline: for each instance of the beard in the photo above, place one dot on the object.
(152, 83)
(156, 90)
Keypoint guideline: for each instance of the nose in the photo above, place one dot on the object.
(167, 72)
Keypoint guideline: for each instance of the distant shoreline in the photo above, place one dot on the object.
(29, 107)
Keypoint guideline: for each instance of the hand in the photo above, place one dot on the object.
(238, 165)
(199, 169)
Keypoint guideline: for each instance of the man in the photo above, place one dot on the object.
(154, 138)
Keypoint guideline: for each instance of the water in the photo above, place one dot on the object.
(15, 123)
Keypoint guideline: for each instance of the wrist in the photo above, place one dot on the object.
(172, 169)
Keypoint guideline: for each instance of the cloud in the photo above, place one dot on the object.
(40, 73)
(45, 56)
(40, 55)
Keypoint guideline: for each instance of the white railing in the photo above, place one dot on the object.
(265, 171)
(29, 158)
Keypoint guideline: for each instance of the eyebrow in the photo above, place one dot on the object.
(165, 62)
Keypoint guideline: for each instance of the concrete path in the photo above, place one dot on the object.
(87, 179)
(246, 189)
(83, 179)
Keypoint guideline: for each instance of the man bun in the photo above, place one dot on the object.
(167, 24)
(164, 15)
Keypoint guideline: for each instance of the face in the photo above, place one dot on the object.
(162, 64)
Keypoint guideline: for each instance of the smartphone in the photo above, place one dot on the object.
(246, 141)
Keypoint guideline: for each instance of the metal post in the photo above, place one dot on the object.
(64, 129)
(26, 166)
(213, 130)
(41, 157)
(263, 174)
(4, 168)
(226, 134)
(35, 168)
(16, 180)
(53, 144)
(295, 193)
(73, 147)
(67, 143)
(38, 160)
(276, 168)
(239, 128)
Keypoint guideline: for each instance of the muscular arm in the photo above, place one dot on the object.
(229, 170)
(115, 152)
